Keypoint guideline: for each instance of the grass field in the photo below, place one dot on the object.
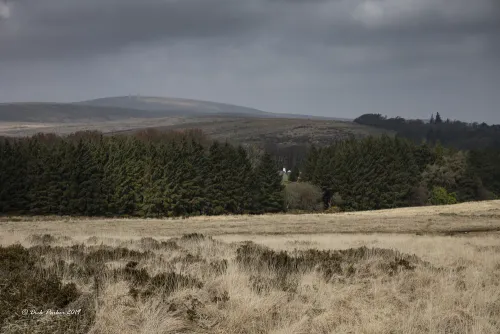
(414, 270)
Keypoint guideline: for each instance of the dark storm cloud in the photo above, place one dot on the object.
(401, 56)
(52, 28)
(61, 28)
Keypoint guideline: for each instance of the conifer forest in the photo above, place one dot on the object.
(179, 174)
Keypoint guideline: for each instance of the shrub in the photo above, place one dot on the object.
(138, 277)
(283, 265)
(24, 284)
(149, 243)
(167, 283)
(169, 245)
(303, 196)
(337, 200)
(440, 196)
(105, 254)
(219, 267)
(333, 209)
(45, 239)
(193, 237)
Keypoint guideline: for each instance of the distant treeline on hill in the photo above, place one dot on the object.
(449, 133)
(171, 174)
(164, 175)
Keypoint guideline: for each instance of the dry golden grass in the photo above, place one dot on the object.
(460, 218)
(451, 286)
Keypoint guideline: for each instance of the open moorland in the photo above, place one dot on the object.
(133, 113)
(248, 130)
(413, 270)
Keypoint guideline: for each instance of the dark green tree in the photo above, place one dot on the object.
(267, 192)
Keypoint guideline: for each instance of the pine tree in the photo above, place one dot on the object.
(310, 165)
(218, 173)
(438, 120)
(38, 177)
(189, 189)
(243, 181)
(151, 185)
(294, 174)
(127, 172)
(268, 190)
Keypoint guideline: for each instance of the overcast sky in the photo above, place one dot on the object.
(339, 58)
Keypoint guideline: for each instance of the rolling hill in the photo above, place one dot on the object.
(67, 113)
(188, 107)
(218, 120)
(279, 131)
(173, 106)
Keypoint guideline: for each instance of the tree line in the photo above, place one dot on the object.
(146, 175)
(450, 133)
(388, 172)
(173, 174)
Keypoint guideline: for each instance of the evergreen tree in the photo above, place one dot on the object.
(128, 173)
(294, 174)
(268, 189)
(438, 119)
(218, 174)
(310, 165)
(243, 181)
(189, 190)
(152, 205)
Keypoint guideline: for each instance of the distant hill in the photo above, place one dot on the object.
(66, 113)
(187, 107)
(174, 106)
(129, 107)
(128, 114)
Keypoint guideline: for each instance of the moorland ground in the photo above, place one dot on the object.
(249, 130)
(412, 270)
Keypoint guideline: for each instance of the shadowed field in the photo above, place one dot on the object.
(396, 271)
(238, 129)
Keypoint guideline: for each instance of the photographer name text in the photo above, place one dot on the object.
(51, 312)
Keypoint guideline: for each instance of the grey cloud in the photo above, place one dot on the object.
(52, 28)
(72, 28)
(4, 11)
(316, 56)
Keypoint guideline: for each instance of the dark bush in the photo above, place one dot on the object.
(169, 245)
(193, 237)
(149, 243)
(303, 196)
(166, 283)
(219, 267)
(259, 259)
(45, 239)
(137, 277)
(26, 285)
(106, 254)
